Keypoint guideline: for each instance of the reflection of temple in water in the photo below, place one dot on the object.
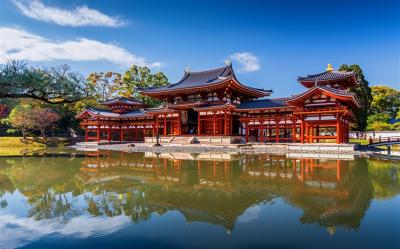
(218, 188)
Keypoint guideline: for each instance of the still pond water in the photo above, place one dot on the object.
(138, 200)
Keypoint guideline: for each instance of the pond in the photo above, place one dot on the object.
(146, 200)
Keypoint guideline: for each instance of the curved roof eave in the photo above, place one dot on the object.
(250, 90)
(349, 96)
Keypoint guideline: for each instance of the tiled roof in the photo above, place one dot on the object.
(194, 79)
(327, 76)
(262, 104)
(201, 79)
(124, 100)
(109, 114)
(334, 91)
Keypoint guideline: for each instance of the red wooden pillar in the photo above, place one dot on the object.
(109, 133)
(317, 132)
(261, 131)
(225, 122)
(121, 134)
(198, 123)
(307, 130)
(86, 134)
(165, 124)
(341, 131)
(338, 130)
(246, 124)
(302, 131)
(214, 123)
(157, 126)
(277, 130)
(98, 133)
(293, 130)
(179, 123)
(312, 133)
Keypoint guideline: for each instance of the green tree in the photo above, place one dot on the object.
(53, 85)
(20, 118)
(385, 100)
(384, 106)
(141, 77)
(363, 93)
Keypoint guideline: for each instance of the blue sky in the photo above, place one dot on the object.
(270, 43)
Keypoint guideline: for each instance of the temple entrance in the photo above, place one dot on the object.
(192, 121)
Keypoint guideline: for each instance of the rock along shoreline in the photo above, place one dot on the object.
(238, 148)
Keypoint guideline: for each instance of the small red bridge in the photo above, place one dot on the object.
(387, 141)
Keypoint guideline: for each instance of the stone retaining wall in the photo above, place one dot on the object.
(243, 148)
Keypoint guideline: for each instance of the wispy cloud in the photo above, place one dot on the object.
(19, 231)
(80, 16)
(22, 45)
(247, 61)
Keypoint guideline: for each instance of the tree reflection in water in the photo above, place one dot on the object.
(216, 189)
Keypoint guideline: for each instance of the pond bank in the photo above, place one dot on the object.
(251, 148)
(17, 146)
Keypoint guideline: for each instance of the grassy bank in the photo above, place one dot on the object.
(17, 146)
(360, 141)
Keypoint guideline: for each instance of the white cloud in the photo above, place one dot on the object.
(19, 231)
(247, 61)
(22, 45)
(250, 214)
(80, 16)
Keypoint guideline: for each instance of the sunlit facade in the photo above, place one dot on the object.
(215, 103)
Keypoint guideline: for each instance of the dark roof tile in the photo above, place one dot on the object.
(129, 101)
(326, 76)
(201, 79)
(262, 103)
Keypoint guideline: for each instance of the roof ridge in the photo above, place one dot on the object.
(327, 72)
(187, 74)
(211, 70)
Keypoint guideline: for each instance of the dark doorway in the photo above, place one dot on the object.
(192, 122)
(235, 125)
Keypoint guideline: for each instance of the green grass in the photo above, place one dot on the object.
(366, 142)
(360, 141)
(17, 146)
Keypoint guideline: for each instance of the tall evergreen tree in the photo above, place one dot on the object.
(363, 93)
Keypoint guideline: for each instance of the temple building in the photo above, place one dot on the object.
(215, 103)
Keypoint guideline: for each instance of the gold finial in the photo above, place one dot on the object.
(329, 68)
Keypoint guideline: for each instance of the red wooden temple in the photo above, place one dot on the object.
(216, 103)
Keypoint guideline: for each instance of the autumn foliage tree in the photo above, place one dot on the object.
(42, 119)
(106, 84)
(20, 118)
(25, 118)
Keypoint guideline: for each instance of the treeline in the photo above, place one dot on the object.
(38, 99)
